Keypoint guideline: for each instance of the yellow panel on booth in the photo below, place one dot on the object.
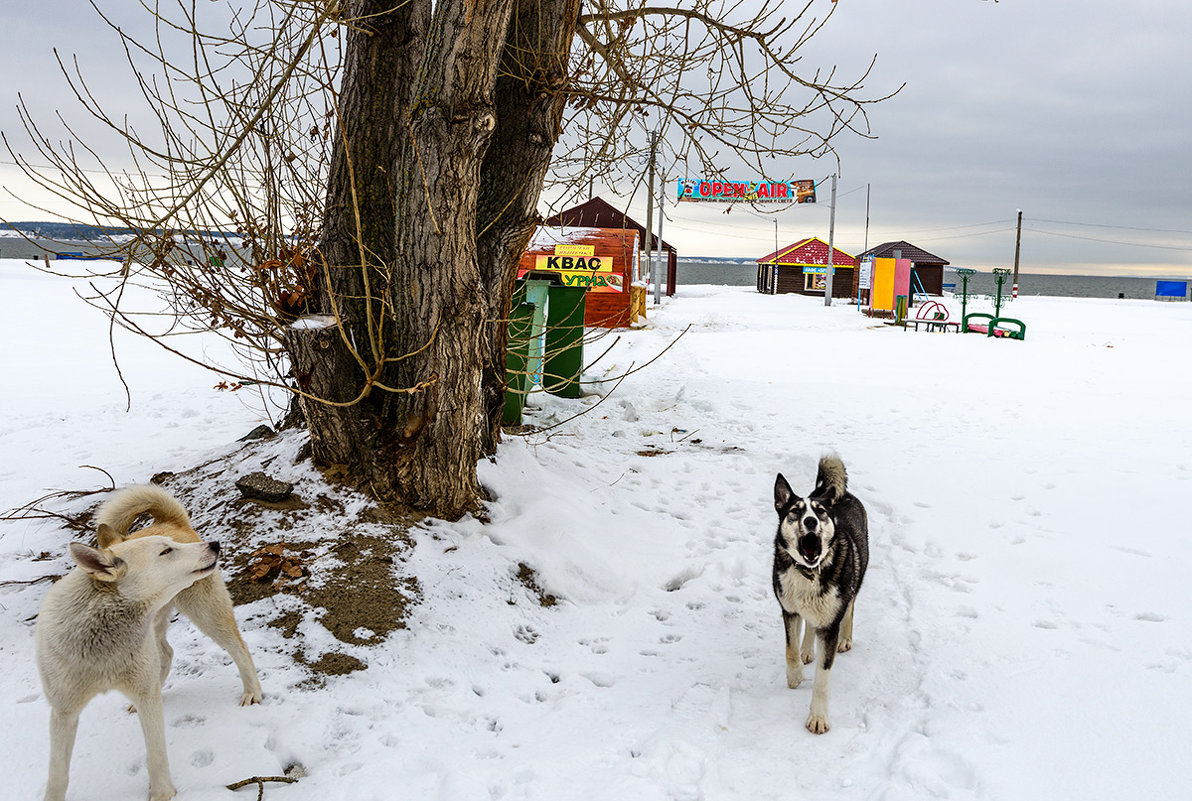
(881, 296)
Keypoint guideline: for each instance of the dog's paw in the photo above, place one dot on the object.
(162, 792)
(794, 676)
(817, 724)
(807, 656)
(844, 645)
(250, 697)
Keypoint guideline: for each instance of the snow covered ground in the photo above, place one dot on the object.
(1018, 635)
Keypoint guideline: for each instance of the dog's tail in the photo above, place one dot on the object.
(125, 505)
(831, 481)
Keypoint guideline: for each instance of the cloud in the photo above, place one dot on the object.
(1080, 112)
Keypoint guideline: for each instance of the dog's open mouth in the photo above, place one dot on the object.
(208, 568)
(809, 549)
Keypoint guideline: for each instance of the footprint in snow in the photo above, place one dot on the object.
(1131, 551)
(188, 722)
(600, 679)
(1151, 617)
(596, 646)
(526, 634)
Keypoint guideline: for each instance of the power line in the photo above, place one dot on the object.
(969, 225)
(1184, 248)
(1120, 227)
(962, 236)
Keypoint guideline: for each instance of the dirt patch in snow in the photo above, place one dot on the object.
(529, 579)
(325, 555)
(324, 558)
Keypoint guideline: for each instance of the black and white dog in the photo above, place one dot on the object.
(820, 555)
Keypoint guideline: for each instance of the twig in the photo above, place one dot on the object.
(601, 356)
(27, 581)
(111, 480)
(32, 510)
(259, 781)
(620, 379)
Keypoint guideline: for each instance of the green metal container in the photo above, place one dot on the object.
(517, 361)
(564, 341)
(537, 292)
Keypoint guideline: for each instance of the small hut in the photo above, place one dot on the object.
(599, 213)
(803, 268)
(927, 269)
(604, 261)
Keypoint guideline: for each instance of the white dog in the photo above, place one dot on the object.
(103, 626)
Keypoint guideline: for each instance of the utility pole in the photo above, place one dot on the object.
(1017, 250)
(662, 254)
(831, 244)
(649, 243)
(772, 284)
(866, 218)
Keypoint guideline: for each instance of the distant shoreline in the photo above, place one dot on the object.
(743, 272)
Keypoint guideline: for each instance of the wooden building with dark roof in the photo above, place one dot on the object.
(599, 213)
(927, 269)
(801, 268)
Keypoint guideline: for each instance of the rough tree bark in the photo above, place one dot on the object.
(530, 103)
(423, 234)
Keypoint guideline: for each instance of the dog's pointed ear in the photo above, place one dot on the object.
(101, 565)
(107, 536)
(782, 493)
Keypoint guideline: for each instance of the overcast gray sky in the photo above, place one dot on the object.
(1078, 112)
(1075, 111)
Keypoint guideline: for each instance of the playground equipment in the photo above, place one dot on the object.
(921, 295)
(964, 273)
(934, 316)
(993, 325)
(1000, 274)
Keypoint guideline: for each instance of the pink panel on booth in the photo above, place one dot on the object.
(902, 277)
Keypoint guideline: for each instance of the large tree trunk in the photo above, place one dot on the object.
(530, 102)
(409, 364)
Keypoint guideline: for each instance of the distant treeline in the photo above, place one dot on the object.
(79, 232)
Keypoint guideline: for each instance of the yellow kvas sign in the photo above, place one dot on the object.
(578, 265)
(590, 263)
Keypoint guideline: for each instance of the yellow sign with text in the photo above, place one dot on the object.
(580, 264)
(586, 251)
(588, 271)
